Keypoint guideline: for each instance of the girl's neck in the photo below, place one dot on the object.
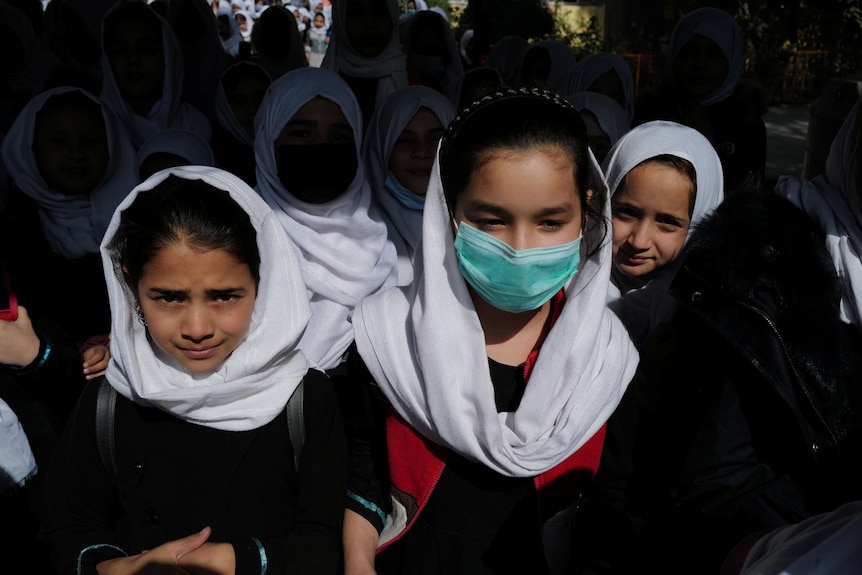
(510, 337)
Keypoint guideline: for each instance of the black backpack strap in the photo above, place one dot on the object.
(106, 406)
(296, 422)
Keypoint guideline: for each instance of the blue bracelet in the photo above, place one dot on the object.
(92, 547)
(373, 507)
(262, 550)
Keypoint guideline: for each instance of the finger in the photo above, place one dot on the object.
(191, 542)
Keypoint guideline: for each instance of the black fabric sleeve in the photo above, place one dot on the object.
(364, 411)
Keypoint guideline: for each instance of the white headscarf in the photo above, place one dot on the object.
(721, 28)
(72, 225)
(387, 124)
(454, 66)
(590, 68)
(562, 61)
(249, 21)
(170, 111)
(224, 112)
(833, 201)
(253, 384)
(278, 25)
(505, 57)
(182, 143)
(342, 244)
(643, 309)
(425, 348)
(390, 66)
(17, 463)
(230, 44)
(612, 119)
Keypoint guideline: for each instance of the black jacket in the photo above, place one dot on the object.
(745, 413)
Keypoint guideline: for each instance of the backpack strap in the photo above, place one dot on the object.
(296, 422)
(106, 406)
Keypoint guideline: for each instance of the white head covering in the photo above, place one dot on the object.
(464, 43)
(833, 201)
(643, 309)
(224, 112)
(390, 66)
(505, 57)
(17, 463)
(249, 20)
(277, 25)
(203, 57)
(721, 28)
(562, 62)
(590, 68)
(188, 145)
(35, 64)
(454, 67)
(387, 124)
(612, 119)
(253, 384)
(72, 225)
(342, 244)
(168, 112)
(425, 348)
(230, 44)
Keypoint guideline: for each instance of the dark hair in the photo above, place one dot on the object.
(681, 165)
(180, 210)
(511, 119)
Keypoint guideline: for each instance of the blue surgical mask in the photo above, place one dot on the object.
(407, 198)
(514, 280)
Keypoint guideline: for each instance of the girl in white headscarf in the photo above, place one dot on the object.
(72, 163)
(497, 367)
(245, 21)
(434, 63)
(607, 74)
(703, 89)
(307, 148)
(547, 64)
(208, 308)
(147, 94)
(664, 178)
(170, 148)
(371, 61)
(402, 141)
(606, 121)
(228, 27)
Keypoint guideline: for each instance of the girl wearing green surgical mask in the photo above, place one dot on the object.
(509, 286)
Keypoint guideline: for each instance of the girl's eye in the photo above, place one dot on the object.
(489, 224)
(552, 224)
(226, 297)
(670, 224)
(623, 213)
(168, 298)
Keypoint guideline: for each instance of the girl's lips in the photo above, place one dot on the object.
(202, 353)
(634, 260)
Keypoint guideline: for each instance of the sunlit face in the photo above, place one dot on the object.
(136, 55)
(71, 148)
(412, 156)
(319, 19)
(700, 67)
(368, 26)
(651, 216)
(318, 121)
(245, 100)
(528, 199)
(197, 304)
(242, 22)
(610, 85)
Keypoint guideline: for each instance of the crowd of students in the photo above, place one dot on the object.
(302, 288)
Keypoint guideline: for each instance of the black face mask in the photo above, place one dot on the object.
(317, 174)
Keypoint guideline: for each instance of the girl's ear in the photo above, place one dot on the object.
(589, 195)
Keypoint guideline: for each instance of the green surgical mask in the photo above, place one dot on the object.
(514, 280)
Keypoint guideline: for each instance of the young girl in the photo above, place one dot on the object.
(307, 143)
(606, 121)
(72, 164)
(208, 307)
(664, 177)
(318, 39)
(143, 74)
(607, 74)
(432, 53)
(703, 89)
(499, 363)
(399, 154)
